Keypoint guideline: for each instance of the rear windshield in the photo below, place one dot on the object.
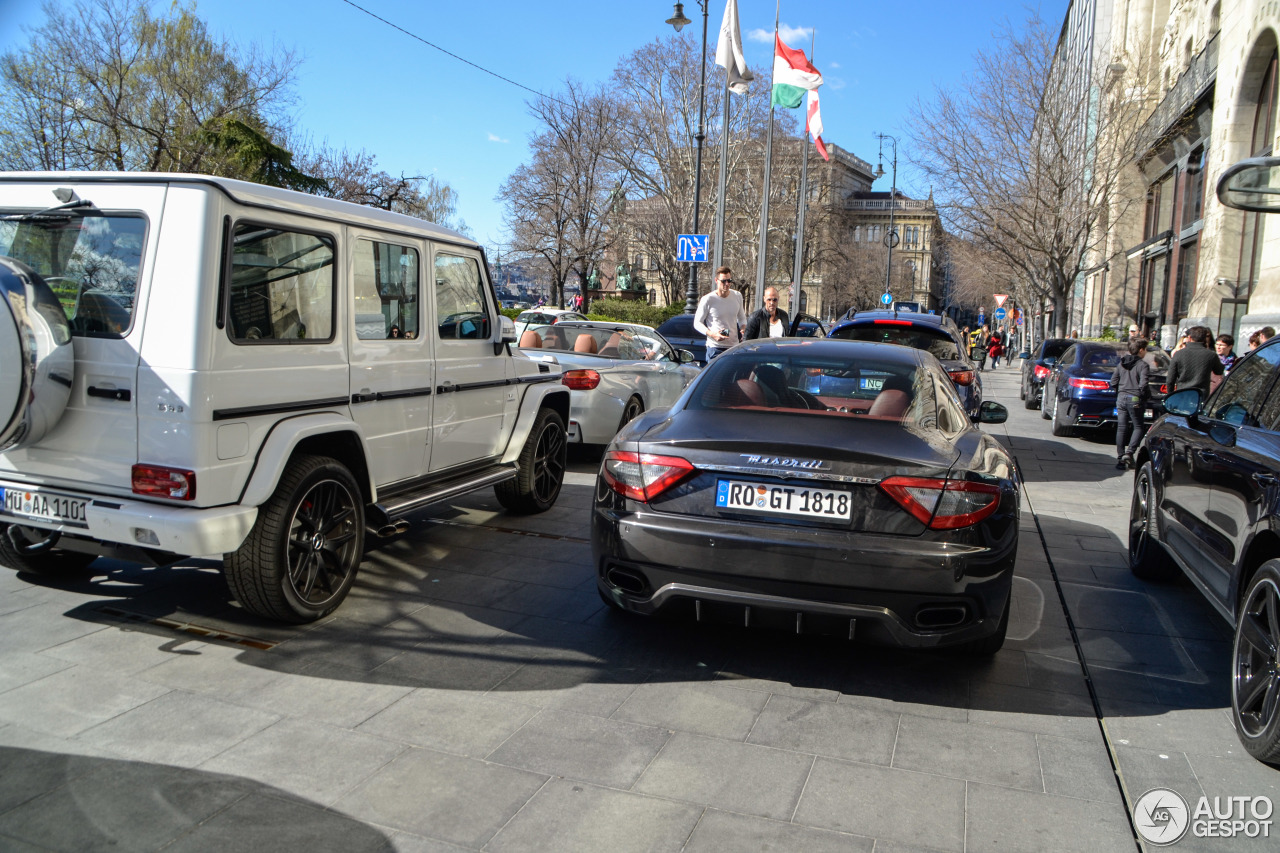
(1055, 349)
(1102, 358)
(787, 385)
(936, 342)
(90, 260)
(681, 324)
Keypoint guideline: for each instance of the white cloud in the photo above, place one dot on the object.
(493, 137)
(833, 83)
(791, 36)
(835, 64)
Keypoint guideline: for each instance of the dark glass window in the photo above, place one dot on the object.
(1185, 284)
(1193, 189)
(281, 287)
(1238, 396)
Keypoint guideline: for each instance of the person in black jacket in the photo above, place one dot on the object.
(1194, 365)
(1130, 378)
(770, 321)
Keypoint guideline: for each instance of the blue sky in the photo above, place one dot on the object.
(362, 84)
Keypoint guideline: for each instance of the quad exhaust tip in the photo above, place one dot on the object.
(393, 529)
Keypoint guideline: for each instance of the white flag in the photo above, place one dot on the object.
(729, 50)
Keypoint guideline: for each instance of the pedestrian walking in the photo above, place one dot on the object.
(995, 348)
(1194, 365)
(720, 315)
(980, 344)
(770, 321)
(1130, 381)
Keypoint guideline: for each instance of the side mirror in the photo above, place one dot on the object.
(685, 356)
(506, 333)
(1185, 403)
(992, 413)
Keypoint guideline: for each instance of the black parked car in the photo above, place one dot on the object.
(819, 486)
(1206, 500)
(679, 332)
(1036, 366)
(933, 333)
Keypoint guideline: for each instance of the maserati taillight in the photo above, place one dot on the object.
(943, 504)
(643, 476)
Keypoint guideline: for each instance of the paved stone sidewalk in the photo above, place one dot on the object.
(472, 693)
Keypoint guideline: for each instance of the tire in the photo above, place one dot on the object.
(1058, 428)
(987, 646)
(35, 336)
(1022, 391)
(1255, 666)
(303, 553)
(1147, 558)
(1030, 400)
(1044, 403)
(542, 464)
(32, 550)
(634, 407)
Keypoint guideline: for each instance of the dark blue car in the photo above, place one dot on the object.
(1077, 392)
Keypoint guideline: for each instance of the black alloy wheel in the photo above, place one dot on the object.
(1058, 428)
(634, 407)
(1147, 558)
(540, 469)
(1044, 401)
(323, 551)
(1255, 684)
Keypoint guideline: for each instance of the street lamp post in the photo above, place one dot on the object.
(890, 239)
(678, 20)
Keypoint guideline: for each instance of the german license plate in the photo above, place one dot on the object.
(769, 499)
(46, 506)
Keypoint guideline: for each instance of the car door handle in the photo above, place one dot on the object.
(122, 394)
(1206, 454)
(1265, 479)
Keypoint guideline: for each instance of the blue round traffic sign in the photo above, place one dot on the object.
(886, 298)
(1000, 314)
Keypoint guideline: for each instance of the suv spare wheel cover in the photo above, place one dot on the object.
(35, 335)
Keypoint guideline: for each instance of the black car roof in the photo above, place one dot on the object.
(830, 347)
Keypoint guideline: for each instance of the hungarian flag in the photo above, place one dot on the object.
(813, 124)
(793, 75)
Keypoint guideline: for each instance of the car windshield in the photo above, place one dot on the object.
(785, 384)
(936, 342)
(89, 260)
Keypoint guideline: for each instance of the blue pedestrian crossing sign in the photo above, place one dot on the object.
(1000, 314)
(887, 298)
(691, 248)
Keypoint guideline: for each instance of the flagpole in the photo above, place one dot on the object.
(797, 282)
(757, 301)
(724, 159)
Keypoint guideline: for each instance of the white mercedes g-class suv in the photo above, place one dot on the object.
(195, 366)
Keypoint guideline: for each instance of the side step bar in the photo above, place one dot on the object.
(386, 517)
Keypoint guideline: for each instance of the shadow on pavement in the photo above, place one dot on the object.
(55, 801)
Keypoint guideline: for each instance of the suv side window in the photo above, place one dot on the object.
(1244, 386)
(1068, 357)
(281, 286)
(386, 289)
(461, 311)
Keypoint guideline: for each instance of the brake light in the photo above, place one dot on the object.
(1089, 384)
(943, 504)
(1164, 389)
(1040, 371)
(581, 380)
(158, 481)
(961, 377)
(643, 476)
(891, 322)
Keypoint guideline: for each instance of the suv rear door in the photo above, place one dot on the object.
(97, 259)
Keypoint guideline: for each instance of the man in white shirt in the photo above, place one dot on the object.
(720, 315)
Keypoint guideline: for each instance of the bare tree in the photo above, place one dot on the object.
(105, 84)
(354, 176)
(538, 203)
(1026, 156)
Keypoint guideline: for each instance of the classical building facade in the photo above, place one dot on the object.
(1177, 257)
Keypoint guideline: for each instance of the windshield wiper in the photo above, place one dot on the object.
(62, 211)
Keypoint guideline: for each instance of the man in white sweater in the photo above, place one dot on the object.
(720, 315)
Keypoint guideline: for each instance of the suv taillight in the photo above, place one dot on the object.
(643, 476)
(158, 481)
(580, 380)
(1041, 371)
(943, 504)
(961, 377)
